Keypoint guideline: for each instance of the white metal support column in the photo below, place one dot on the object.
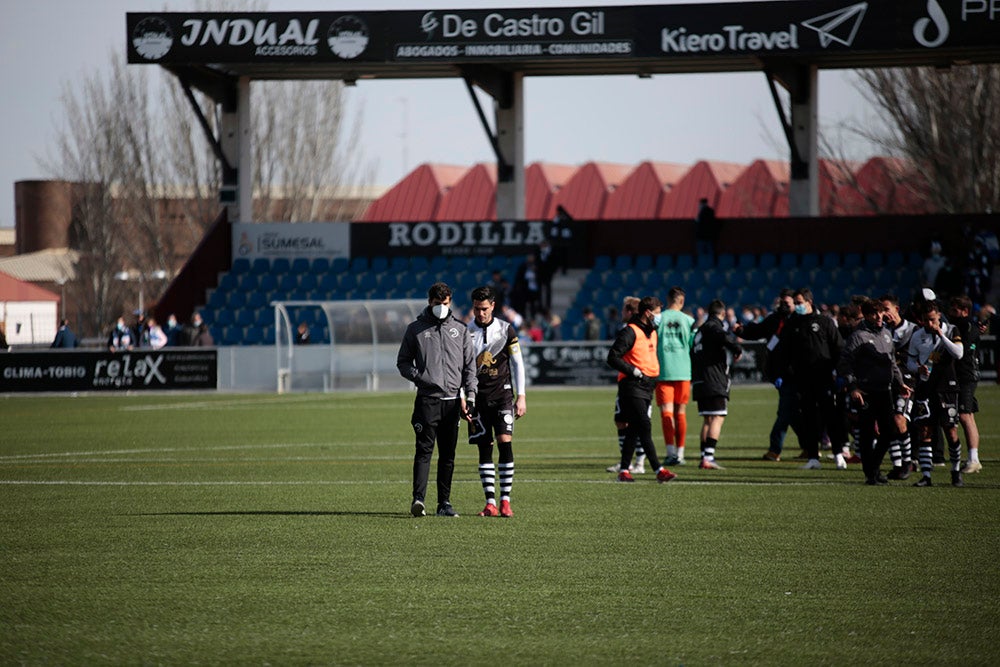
(510, 138)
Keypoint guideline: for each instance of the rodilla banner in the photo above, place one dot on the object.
(108, 371)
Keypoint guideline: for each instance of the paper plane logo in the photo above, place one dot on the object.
(840, 26)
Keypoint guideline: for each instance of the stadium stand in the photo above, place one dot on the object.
(241, 314)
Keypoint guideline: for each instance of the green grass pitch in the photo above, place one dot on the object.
(238, 529)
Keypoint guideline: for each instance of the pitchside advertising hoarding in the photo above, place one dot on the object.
(145, 370)
(797, 27)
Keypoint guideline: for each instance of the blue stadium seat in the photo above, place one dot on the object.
(725, 261)
(399, 264)
(328, 282)
(895, 259)
(623, 263)
(873, 260)
(643, 263)
(419, 263)
(267, 336)
(240, 266)
(227, 282)
(830, 260)
(236, 299)
(288, 283)
(809, 260)
(704, 261)
(248, 282)
(602, 263)
(232, 335)
(852, 260)
(359, 264)
(767, 260)
(439, 264)
(746, 261)
(260, 266)
(217, 299)
(256, 299)
(280, 265)
(367, 282)
(788, 260)
(308, 281)
(379, 263)
(320, 265)
(263, 316)
(612, 279)
(663, 263)
(222, 317)
(340, 264)
(267, 283)
(300, 265)
(253, 335)
(684, 262)
(245, 317)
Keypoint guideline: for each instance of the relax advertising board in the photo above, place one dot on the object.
(143, 370)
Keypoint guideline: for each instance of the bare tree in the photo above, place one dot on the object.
(947, 123)
(133, 139)
(303, 151)
(95, 149)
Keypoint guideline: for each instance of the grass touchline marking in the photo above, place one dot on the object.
(19, 482)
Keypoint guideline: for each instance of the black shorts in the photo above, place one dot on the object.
(967, 403)
(713, 405)
(494, 418)
(936, 408)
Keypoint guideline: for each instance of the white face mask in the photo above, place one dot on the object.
(440, 311)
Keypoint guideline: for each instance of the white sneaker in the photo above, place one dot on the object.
(639, 467)
(813, 464)
(615, 468)
(841, 462)
(972, 466)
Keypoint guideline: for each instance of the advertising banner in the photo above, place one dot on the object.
(585, 364)
(483, 238)
(291, 240)
(108, 371)
(553, 34)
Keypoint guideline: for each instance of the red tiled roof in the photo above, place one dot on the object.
(12, 289)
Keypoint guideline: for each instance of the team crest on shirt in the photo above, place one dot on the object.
(486, 359)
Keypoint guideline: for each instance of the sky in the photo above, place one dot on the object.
(405, 123)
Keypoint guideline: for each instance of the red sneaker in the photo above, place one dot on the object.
(663, 475)
(709, 465)
(490, 510)
(625, 476)
(505, 510)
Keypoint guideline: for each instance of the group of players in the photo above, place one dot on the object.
(878, 376)
(891, 382)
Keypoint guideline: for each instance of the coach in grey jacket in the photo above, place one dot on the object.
(437, 355)
(868, 369)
